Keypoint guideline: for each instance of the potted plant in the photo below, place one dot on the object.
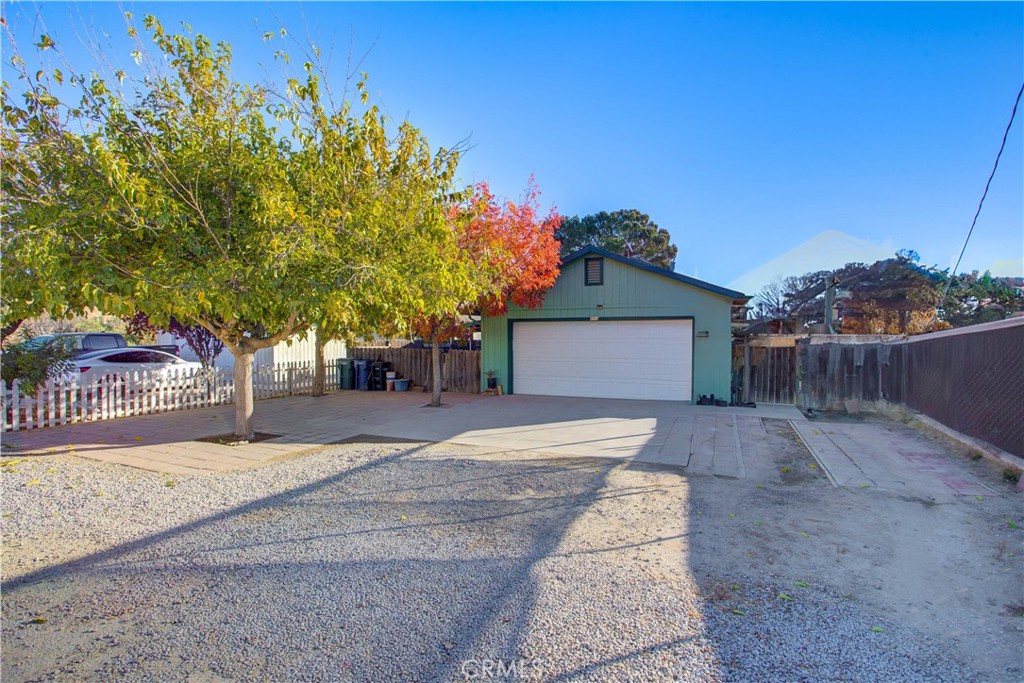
(492, 381)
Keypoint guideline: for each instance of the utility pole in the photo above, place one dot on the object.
(830, 299)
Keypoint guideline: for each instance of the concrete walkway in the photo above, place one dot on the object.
(868, 455)
(706, 440)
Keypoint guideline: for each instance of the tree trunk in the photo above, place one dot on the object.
(9, 329)
(319, 365)
(244, 348)
(245, 429)
(435, 358)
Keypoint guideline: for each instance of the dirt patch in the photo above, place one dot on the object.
(795, 463)
(953, 570)
(230, 440)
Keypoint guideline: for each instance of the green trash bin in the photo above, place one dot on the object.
(346, 375)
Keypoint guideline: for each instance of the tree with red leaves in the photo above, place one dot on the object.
(202, 342)
(510, 255)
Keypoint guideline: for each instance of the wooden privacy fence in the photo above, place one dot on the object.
(69, 401)
(969, 379)
(775, 370)
(460, 370)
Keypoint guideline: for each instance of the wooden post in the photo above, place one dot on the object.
(746, 370)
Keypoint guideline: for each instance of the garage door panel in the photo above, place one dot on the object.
(642, 359)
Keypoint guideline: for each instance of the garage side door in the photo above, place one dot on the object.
(641, 359)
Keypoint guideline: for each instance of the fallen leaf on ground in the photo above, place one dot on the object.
(877, 629)
(783, 596)
(34, 482)
(802, 584)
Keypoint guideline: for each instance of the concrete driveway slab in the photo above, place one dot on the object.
(888, 456)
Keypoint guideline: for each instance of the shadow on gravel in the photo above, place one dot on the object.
(401, 568)
(599, 667)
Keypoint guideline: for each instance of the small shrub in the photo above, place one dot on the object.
(1011, 474)
(35, 364)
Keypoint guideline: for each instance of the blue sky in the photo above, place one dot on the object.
(743, 129)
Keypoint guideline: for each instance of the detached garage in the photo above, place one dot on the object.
(612, 327)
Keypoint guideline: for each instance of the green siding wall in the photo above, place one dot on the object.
(628, 292)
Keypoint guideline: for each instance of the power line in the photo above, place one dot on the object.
(984, 194)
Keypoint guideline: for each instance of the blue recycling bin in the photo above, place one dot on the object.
(362, 368)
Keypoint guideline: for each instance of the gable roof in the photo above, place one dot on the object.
(643, 265)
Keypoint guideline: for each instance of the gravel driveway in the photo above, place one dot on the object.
(400, 561)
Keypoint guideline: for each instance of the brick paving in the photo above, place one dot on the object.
(723, 442)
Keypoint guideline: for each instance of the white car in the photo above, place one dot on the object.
(99, 364)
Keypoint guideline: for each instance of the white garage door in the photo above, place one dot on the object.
(644, 359)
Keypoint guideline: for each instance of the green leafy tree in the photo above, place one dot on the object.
(627, 232)
(980, 297)
(180, 192)
(381, 200)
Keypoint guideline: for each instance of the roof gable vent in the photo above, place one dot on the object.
(593, 272)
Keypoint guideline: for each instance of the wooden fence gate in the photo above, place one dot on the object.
(770, 370)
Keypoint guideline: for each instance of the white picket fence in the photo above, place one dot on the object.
(67, 402)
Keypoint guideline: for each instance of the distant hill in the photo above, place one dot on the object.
(829, 250)
(1012, 267)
